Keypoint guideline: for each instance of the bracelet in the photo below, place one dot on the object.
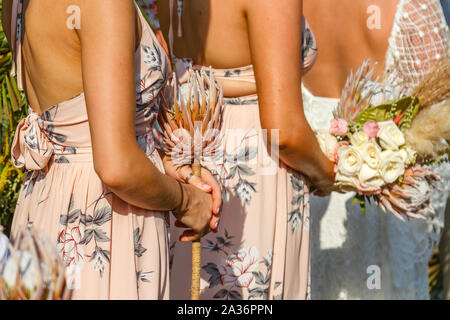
(182, 197)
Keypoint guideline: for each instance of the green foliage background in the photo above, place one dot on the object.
(13, 107)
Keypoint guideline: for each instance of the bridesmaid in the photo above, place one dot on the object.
(92, 71)
(262, 248)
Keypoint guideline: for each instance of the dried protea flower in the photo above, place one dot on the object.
(357, 93)
(191, 118)
(411, 198)
(33, 269)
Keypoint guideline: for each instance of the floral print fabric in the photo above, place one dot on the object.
(262, 248)
(112, 250)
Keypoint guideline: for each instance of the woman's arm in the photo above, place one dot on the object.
(108, 43)
(274, 29)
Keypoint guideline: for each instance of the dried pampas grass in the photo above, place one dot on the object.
(436, 85)
(429, 134)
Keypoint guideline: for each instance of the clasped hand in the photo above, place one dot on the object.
(201, 213)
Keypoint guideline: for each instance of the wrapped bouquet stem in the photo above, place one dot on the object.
(191, 119)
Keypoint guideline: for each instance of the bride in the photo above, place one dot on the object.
(375, 256)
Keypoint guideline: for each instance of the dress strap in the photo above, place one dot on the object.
(180, 26)
(16, 41)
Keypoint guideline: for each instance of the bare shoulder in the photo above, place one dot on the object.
(64, 14)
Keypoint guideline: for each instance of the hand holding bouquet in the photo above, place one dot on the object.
(191, 119)
(374, 148)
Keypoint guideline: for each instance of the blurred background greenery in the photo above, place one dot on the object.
(13, 108)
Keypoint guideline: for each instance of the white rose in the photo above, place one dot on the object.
(369, 177)
(392, 165)
(408, 155)
(345, 183)
(370, 153)
(349, 160)
(4, 251)
(328, 143)
(390, 135)
(359, 138)
(403, 154)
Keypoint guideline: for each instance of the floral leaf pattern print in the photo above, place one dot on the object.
(31, 179)
(236, 173)
(148, 85)
(138, 248)
(261, 289)
(299, 203)
(171, 254)
(62, 159)
(84, 228)
(152, 57)
(142, 276)
(50, 130)
(308, 43)
(244, 190)
(100, 258)
(29, 187)
(240, 271)
(221, 243)
(101, 216)
(215, 276)
(69, 247)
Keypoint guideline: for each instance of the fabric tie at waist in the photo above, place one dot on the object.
(33, 147)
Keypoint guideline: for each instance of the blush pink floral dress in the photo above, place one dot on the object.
(262, 250)
(112, 249)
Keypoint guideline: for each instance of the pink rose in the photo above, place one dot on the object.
(371, 128)
(339, 127)
(339, 145)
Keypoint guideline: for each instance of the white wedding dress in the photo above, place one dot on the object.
(350, 252)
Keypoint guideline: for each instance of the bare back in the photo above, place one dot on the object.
(345, 39)
(51, 51)
(214, 32)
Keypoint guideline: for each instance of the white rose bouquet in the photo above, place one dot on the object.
(4, 247)
(380, 152)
